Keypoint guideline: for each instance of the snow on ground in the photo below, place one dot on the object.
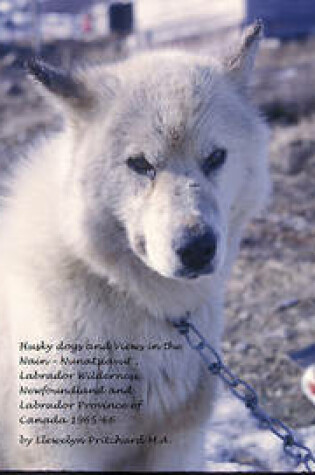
(235, 442)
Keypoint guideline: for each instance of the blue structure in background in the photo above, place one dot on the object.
(121, 18)
(283, 19)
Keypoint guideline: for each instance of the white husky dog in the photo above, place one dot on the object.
(130, 216)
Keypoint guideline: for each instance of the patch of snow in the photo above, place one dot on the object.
(235, 442)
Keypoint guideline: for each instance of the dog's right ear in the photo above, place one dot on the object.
(79, 93)
(68, 89)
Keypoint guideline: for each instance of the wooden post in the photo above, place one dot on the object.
(36, 27)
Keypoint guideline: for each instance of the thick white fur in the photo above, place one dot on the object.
(70, 266)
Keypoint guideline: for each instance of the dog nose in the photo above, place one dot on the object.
(199, 251)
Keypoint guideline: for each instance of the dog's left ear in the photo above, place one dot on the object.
(240, 64)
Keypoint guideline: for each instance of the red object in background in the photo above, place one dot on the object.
(311, 387)
(87, 23)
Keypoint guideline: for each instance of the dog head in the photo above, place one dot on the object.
(165, 159)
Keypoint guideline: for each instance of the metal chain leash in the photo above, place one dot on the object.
(243, 391)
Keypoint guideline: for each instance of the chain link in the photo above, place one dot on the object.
(300, 453)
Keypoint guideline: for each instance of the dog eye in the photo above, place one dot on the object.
(140, 165)
(215, 160)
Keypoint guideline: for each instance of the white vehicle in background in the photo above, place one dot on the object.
(57, 26)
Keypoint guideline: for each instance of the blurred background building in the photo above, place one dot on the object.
(44, 26)
(283, 18)
(37, 22)
(66, 18)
